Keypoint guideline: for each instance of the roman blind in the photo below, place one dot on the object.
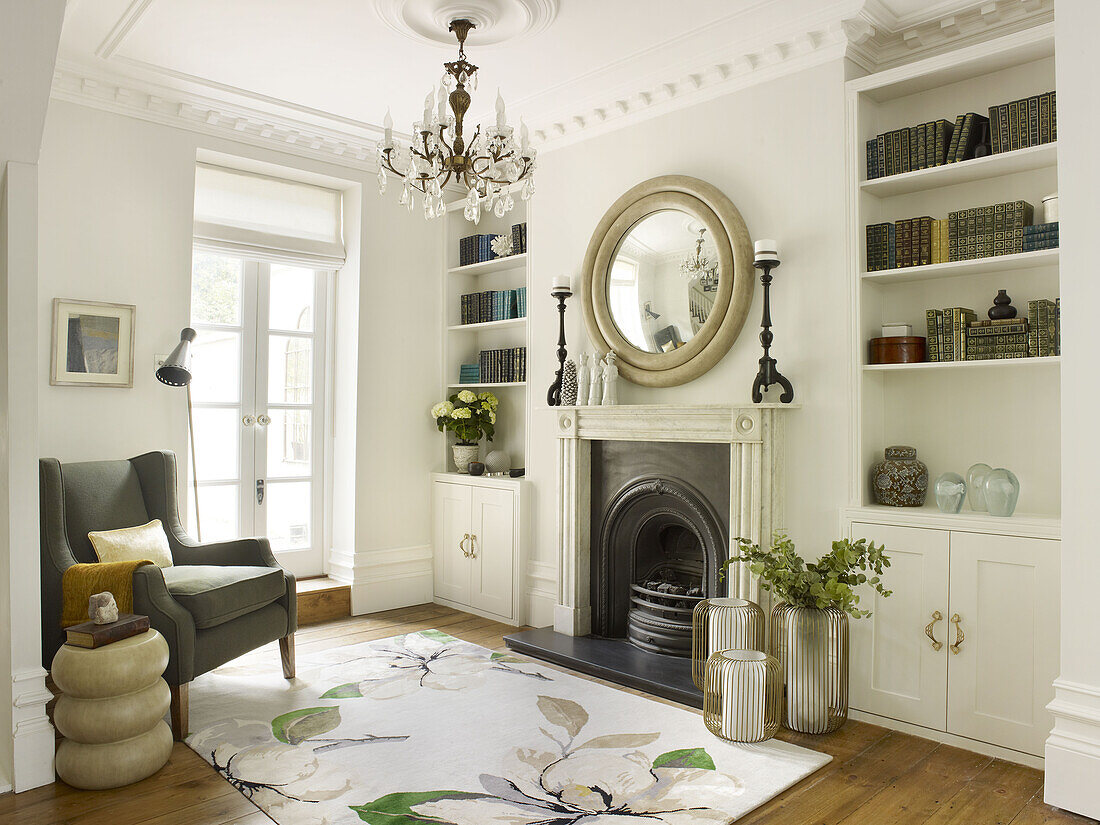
(266, 218)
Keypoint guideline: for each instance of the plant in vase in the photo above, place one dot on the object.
(470, 417)
(809, 626)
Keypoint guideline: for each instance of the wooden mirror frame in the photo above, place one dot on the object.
(731, 304)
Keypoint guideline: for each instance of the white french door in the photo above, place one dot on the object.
(258, 372)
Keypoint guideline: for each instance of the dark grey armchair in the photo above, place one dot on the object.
(216, 603)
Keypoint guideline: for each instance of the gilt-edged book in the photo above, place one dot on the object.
(90, 634)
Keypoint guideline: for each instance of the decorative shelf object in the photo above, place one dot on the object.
(990, 166)
(488, 325)
(1050, 360)
(957, 269)
(495, 265)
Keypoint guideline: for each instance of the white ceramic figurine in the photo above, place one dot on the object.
(610, 374)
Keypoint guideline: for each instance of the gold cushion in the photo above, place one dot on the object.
(147, 541)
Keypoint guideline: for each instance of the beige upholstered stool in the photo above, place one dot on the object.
(743, 695)
(111, 712)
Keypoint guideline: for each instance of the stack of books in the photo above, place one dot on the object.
(1044, 328)
(1031, 121)
(1040, 236)
(946, 332)
(469, 374)
(1003, 338)
(908, 242)
(519, 238)
(503, 366)
(475, 249)
(985, 231)
(493, 305)
(92, 635)
(908, 149)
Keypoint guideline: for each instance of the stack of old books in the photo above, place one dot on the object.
(90, 634)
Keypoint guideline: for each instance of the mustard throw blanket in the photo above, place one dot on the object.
(81, 581)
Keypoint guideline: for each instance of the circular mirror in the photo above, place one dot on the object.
(668, 280)
(663, 281)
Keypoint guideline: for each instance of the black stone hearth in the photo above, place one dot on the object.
(660, 532)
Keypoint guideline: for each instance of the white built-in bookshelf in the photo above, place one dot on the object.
(1004, 413)
(463, 342)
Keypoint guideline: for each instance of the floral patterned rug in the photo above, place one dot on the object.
(424, 729)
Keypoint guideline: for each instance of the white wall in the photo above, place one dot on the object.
(777, 151)
(116, 225)
(1073, 750)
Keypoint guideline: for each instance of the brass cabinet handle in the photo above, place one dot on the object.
(473, 544)
(959, 637)
(928, 630)
(462, 545)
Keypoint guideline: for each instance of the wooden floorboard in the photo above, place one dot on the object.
(877, 776)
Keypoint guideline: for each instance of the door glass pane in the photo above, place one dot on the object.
(289, 441)
(215, 289)
(220, 509)
(217, 441)
(291, 298)
(290, 371)
(288, 506)
(216, 366)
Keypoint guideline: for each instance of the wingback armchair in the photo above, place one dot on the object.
(218, 600)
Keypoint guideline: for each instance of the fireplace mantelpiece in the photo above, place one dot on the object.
(754, 433)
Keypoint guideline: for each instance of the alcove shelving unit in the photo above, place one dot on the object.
(462, 343)
(1001, 412)
(966, 649)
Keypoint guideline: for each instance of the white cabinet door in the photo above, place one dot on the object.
(896, 670)
(493, 528)
(1004, 593)
(451, 506)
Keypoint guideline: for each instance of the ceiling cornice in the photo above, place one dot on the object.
(864, 31)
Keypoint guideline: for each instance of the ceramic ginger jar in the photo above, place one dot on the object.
(901, 480)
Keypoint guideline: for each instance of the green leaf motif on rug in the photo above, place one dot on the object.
(504, 657)
(564, 713)
(299, 725)
(349, 690)
(438, 635)
(397, 808)
(686, 758)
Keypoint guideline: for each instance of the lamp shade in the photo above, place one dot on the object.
(176, 369)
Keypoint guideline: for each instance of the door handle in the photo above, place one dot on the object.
(462, 545)
(473, 544)
(259, 491)
(248, 420)
(263, 419)
(959, 637)
(929, 628)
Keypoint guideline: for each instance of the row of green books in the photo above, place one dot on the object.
(1031, 121)
(909, 149)
(1045, 321)
(956, 334)
(493, 305)
(986, 231)
(502, 366)
(1041, 236)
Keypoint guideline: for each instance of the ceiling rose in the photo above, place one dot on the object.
(496, 21)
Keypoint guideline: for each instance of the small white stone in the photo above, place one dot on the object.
(102, 608)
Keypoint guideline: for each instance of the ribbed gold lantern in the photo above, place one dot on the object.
(743, 695)
(811, 645)
(723, 624)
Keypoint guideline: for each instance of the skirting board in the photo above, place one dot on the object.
(384, 579)
(1073, 749)
(952, 739)
(32, 734)
(542, 593)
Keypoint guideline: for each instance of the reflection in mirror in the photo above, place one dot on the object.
(663, 281)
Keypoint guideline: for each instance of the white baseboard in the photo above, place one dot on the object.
(32, 733)
(384, 579)
(541, 593)
(974, 745)
(1073, 749)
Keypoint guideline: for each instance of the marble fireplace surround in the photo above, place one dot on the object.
(754, 433)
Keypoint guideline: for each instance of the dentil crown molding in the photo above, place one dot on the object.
(865, 31)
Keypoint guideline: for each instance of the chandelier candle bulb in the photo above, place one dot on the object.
(766, 250)
(500, 111)
(387, 141)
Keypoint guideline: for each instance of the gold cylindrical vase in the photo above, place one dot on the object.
(723, 624)
(743, 695)
(811, 645)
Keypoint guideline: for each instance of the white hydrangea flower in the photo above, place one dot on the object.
(467, 397)
(461, 412)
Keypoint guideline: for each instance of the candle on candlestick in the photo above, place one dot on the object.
(428, 101)
(562, 283)
(524, 138)
(767, 250)
(387, 141)
(500, 111)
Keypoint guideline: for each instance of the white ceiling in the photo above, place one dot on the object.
(318, 75)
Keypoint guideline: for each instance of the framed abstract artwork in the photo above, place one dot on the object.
(93, 344)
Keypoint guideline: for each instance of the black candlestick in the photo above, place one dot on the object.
(553, 395)
(769, 374)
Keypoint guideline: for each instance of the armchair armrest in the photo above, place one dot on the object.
(169, 618)
(255, 552)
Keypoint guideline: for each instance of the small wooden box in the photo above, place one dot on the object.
(900, 349)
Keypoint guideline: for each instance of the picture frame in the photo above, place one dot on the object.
(92, 344)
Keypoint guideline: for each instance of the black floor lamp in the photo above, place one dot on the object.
(176, 372)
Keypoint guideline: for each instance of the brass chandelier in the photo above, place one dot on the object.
(699, 265)
(487, 167)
